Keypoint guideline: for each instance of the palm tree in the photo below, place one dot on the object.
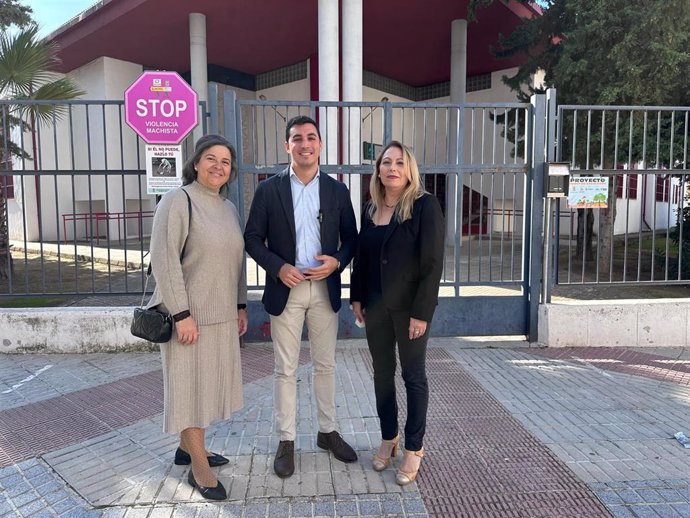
(26, 64)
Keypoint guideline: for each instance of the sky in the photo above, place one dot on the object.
(51, 14)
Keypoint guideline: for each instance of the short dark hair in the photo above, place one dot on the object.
(298, 121)
(189, 173)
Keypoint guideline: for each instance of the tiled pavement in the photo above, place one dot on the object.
(512, 431)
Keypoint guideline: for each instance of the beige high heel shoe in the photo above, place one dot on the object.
(407, 477)
(380, 463)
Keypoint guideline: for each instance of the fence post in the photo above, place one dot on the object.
(550, 243)
(535, 221)
(387, 122)
(454, 228)
(231, 123)
(213, 107)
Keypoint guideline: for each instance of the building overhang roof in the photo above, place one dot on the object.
(406, 40)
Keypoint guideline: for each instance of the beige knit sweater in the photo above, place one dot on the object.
(211, 280)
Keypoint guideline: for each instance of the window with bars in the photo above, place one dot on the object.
(7, 186)
(630, 182)
(7, 182)
(663, 185)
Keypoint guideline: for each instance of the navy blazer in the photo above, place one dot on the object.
(270, 237)
(411, 261)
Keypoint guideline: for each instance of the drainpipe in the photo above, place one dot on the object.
(644, 202)
(37, 178)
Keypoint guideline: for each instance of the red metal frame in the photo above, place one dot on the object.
(90, 217)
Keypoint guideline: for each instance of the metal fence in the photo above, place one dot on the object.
(78, 215)
(474, 158)
(641, 237)
(74, 199)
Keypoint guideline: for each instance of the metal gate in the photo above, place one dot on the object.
(640, 237)
(476, 158)
(79, 216)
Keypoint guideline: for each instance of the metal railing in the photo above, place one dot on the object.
(73, 193)
(642, 236)
(79, 216)
(473, 157)
(78, 212)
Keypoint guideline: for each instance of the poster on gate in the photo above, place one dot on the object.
(588, 192)
(163, 168)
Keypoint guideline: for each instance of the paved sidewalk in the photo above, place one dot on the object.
(513, 431)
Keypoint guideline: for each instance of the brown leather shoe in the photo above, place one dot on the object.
(284, 463)
(334, 442)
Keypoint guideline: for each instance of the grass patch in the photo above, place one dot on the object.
(31, 302)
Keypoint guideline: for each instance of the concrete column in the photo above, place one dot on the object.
(458, 86)
(458, 61)
(198, 61)
(352, 91)
(329, 78)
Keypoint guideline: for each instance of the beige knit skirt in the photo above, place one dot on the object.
(202, 382)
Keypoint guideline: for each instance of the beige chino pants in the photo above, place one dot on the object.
(308, 300)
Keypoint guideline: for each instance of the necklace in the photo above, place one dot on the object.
(389, 206)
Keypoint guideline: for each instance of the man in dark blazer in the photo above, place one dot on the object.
(302, 230)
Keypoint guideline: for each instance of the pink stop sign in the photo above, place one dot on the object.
(161, 107)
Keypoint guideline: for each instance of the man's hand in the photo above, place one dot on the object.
(187, 332)
(290, 275)
(318, 273)
(242, 321)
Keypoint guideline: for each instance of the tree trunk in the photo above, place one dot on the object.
(607, 217)
(585, 229)
(6, 265)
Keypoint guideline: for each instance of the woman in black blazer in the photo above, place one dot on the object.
(395, 280)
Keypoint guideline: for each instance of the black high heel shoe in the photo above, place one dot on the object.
(210, 493)
(182, 458)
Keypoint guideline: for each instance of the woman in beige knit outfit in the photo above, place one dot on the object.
(205, 291)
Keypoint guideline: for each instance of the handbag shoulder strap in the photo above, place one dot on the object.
(184, 246)
(189, 209)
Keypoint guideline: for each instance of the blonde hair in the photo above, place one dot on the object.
(413, 191)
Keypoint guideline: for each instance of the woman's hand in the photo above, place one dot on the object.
(358, 311)
(242, 321)
(417, 328)
(187, 332)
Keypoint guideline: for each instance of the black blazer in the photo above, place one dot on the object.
(270, 237)
(411, 261)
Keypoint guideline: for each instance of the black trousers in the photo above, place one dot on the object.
(384, 328)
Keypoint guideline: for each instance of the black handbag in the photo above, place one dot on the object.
(149, 323)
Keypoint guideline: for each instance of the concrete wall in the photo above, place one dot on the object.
(620, 323)
(68, 330)
(624, 323)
